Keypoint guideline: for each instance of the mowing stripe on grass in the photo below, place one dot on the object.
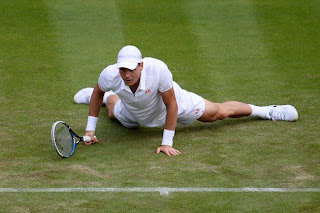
(161, 190)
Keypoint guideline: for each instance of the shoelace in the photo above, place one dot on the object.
(277, 115)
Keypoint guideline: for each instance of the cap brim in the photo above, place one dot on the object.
(128, 65)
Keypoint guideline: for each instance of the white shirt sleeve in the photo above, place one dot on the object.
(165, 77)
(105, 78)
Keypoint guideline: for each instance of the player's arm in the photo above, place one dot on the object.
(95, 106)
(169, 100)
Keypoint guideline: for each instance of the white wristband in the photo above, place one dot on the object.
(167, 138)
(92, 123)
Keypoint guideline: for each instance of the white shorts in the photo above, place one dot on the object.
(124, 116)
(190, 107)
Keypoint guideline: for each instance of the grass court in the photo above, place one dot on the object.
(259, 52)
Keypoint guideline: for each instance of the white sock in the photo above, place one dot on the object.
(106, 95)
(259, 111)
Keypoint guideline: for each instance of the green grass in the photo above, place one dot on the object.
(260, 52)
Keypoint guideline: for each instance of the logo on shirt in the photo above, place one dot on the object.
(147, 91)
(197, 111)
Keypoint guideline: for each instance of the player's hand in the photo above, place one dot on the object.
(168, 150)
(93, 138)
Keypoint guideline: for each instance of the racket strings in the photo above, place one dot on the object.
(63, 140)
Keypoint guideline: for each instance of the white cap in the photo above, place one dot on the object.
(129, 57)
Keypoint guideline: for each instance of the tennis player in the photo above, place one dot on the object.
(141, 92)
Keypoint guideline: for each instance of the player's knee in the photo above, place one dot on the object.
(222, 114)
(211, 112)
(111, 101)
(217, 111)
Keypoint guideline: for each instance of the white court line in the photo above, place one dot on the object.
(161, 190)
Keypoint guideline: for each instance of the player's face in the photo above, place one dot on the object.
(131, 77)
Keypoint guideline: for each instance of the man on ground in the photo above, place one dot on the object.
(141, 92)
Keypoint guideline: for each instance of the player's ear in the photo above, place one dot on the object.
(141, 66)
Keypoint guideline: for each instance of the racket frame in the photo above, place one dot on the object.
(73, 138)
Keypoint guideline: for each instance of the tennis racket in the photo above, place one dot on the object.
(64, 139)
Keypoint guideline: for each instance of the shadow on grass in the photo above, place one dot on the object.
(219, 125)
(116, 131)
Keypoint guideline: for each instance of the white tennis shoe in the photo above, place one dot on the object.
(282, 113)
(83, 96)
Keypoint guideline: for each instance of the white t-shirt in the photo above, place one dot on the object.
(146, 104)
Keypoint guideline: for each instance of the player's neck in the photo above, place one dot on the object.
(135, 86)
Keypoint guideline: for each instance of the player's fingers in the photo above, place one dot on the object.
(175, 152)
(158, 150)
(165, 151)
(88, 143)
(95, 139)
(169, 152)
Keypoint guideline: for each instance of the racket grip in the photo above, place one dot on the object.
(86, 138)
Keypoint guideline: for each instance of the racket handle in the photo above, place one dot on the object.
(86, 138)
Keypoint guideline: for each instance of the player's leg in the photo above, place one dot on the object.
(83, 96)
(235, 109)
(118, 112)
(219, 111)
(116, 109)
(111, 100)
